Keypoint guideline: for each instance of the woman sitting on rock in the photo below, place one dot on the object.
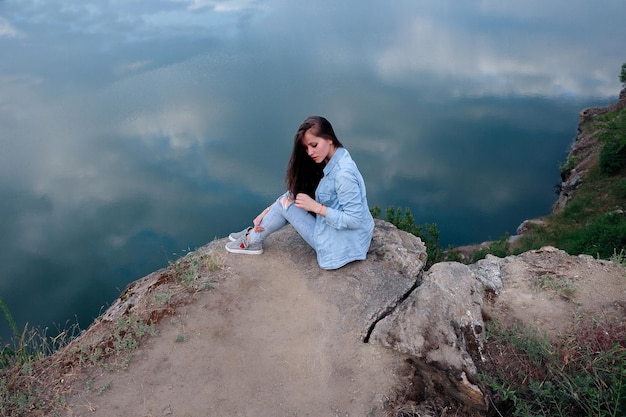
(325, 203)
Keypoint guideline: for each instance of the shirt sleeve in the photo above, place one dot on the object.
(349, 212)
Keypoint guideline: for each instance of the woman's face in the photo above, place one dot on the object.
(318, 148)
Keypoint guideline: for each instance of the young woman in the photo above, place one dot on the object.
(325, 201)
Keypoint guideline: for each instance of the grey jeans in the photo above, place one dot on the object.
(278, 216)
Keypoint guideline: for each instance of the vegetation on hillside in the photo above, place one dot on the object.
(403, 219)
(594, 221)
(26, 361)
(584, 373)
(581, 375)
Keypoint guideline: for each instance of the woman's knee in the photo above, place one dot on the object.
(285, 201)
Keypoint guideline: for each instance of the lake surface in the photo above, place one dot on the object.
(133, 132)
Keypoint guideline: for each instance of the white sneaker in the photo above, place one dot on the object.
(242, 245)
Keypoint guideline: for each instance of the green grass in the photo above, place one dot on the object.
(111, 348)
(16, 364)
(619, 258)
(189, 269)
(583, 376)
(403, 219)
(563, 287)
(585, 373)
(594, 221)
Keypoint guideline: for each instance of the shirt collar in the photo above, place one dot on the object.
(339, 152)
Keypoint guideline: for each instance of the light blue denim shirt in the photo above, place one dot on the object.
(345, 233)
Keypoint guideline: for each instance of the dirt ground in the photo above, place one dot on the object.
(552, 292)
(259, 343)
(262, 343)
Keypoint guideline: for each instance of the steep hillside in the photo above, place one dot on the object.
(595, 124)
(588, 217)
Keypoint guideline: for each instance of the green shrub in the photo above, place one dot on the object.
(600, 237)
(620, 189)
(403, 219)
(568, 164)
(500, 248)
(613, 156)
(613, 152)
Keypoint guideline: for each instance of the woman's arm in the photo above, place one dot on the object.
(349, 214)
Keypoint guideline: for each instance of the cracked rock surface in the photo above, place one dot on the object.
(275, 336)
(278, 336)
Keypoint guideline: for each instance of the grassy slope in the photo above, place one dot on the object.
(594, 221)
(541, 378)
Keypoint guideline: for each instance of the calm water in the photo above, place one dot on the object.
(131, 132)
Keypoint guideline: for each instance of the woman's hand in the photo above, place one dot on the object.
(257, 220)
(304, 201)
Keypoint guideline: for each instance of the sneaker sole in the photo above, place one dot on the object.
(245, 251)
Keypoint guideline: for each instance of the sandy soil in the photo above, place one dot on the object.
(260, 343)
(265, 342)
(552, 292)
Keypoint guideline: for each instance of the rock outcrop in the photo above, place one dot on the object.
(429, 322)
(432, 317)
(440, 324)
(584, 152)
(592, 112)
(436, 317)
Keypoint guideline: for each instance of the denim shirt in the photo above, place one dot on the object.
(345, 233)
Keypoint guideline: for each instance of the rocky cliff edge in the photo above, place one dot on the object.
(274, 335)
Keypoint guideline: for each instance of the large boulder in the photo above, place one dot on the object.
(440, 324)
(363, 291)
(433, 318)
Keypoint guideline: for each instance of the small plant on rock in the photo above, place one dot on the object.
(191, 270)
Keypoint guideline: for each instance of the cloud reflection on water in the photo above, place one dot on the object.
(133, 130)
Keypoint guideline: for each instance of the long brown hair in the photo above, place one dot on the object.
(303, 174)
